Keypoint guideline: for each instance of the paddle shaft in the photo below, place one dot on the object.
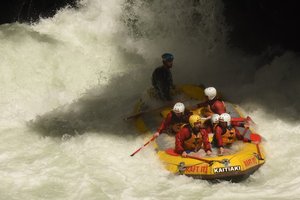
(153, 137)
(259, 153)
(201, 159)
(152, 110)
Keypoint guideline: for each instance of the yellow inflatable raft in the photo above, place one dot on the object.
(239, 163)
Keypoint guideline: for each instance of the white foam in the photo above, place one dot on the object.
(99, 58)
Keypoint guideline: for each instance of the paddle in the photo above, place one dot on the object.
(201, 159)
(256, 138)
(153, 110)
(153, 138)
(144, 112)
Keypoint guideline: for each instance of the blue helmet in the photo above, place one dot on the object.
(167, 57)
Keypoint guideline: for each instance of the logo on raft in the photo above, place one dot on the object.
(227, 169)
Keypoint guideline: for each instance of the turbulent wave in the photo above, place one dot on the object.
(80, 72)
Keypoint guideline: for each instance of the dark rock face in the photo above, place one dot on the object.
(259, 24)
(30, 10)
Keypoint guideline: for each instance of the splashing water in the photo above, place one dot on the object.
(81, 71)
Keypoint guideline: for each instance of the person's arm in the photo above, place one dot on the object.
(154, 78)
(218, 135)
(170, 80)
(239, 136)
(165, 123)
(209, 129)
(237, 123)
(206, 143)
(172, 83)
(179, 140)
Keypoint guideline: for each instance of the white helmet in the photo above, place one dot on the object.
(225, 117)
(210, 92)
(178, 108)
(215, 118)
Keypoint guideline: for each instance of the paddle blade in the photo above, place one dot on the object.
(255, 137)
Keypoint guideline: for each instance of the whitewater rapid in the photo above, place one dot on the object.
(66, 83)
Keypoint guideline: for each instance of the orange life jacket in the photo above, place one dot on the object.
(194, 143)
(229, 136)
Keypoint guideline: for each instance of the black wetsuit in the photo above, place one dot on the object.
(162, 81)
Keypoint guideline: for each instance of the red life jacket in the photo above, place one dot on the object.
(212, 106)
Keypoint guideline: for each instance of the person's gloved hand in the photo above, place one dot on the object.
(221, 151)
(156, 134)
(208, 152)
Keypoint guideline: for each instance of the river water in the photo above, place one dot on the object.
(67, 82)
